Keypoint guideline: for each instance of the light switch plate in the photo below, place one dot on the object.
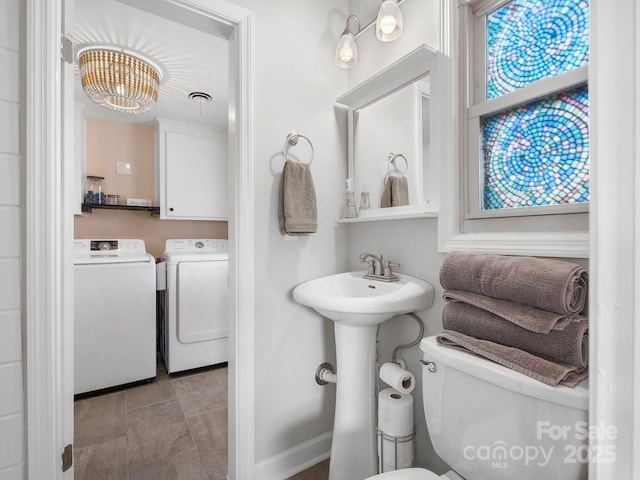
(123, 168)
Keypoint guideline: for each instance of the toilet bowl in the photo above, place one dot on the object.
(508, 430)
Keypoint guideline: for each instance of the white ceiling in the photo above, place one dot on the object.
(192, 58)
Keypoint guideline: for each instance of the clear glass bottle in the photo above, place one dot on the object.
(93, 191)
(364, 198)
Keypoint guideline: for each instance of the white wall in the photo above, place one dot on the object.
(295, 86)
(11, 390)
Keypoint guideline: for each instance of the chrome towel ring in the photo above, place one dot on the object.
(292, 140)
(392, 159)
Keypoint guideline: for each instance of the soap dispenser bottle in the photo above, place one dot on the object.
(350, 201)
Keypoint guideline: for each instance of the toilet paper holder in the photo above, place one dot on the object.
(396, 441)
(394, 355)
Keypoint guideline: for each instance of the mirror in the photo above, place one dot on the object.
(390, 135)
(389, 141)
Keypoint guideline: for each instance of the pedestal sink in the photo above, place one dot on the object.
(357, 305)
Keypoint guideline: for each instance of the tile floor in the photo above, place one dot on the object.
(172, 429)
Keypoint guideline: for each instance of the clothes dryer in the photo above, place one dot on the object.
(195, 325)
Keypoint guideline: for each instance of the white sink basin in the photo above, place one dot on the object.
(350, 299)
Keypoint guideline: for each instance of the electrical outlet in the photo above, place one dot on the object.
(123, 168)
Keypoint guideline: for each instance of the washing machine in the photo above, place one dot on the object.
(196, 291)
(114, 313)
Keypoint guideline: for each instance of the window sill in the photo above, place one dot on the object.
(543, 244)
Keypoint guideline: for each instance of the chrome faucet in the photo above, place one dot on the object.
(379, 269)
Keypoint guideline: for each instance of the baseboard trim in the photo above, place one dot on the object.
(296, 459)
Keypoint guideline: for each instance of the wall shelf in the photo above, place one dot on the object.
(394, 216)
(88, 207)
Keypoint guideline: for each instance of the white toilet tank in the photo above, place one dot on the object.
(488, 422)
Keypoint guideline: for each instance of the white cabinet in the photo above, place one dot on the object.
(191, 171)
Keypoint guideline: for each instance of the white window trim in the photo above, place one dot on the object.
(450, 233)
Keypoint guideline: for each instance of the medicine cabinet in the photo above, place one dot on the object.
(396, 111)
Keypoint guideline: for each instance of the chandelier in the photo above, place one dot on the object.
(119, 80)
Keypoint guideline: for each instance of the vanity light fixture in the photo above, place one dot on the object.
(347, 50)
(119, 80)
(388, 28)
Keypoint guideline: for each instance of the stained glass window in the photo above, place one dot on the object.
(528, 40)
(538, 154)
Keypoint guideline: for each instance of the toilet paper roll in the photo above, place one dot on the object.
(395, 419)
(397, 378)
(395, 413)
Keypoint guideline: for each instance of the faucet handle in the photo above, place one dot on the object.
(388, 272)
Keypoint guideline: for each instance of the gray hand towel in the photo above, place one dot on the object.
(551, 373)
(543, 283)
(395, 193)
(297, 209)
(569, 345)
(533, 319)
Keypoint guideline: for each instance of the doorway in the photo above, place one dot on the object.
(49, 300)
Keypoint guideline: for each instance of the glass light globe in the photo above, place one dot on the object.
(346, 51)
(389, 21)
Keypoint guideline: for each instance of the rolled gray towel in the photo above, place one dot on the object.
(545, 371)
(568, 345)
(547, 284)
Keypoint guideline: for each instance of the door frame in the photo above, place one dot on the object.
(48, 235)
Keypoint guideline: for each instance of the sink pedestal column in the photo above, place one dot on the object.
(353, 447)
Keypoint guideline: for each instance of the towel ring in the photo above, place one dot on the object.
(292, 140)
(392, 158)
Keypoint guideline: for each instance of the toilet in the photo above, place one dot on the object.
(488, 422)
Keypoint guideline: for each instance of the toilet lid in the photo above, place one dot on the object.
(407, 474)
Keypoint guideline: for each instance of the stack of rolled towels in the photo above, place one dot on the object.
(526, 313)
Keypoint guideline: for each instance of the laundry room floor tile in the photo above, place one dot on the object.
(106, 461)
(174, 428)
(209, 431)
(158, 391)
(200, 393)
(184, 465)
(99, 419)
(157, 431)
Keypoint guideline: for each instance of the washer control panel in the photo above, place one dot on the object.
(123, 249)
